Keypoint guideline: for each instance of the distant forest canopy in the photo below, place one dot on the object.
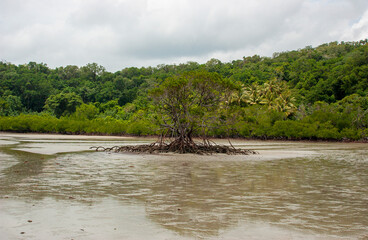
(322, 92)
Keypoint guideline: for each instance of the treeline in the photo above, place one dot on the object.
(311, 93)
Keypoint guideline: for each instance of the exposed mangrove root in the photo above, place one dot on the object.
(178, 146)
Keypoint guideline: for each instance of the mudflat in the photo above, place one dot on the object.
(55, 187)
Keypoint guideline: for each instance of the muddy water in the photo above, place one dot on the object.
(53, 187)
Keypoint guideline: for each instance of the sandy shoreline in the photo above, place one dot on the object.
(49, 144)
(153, 138)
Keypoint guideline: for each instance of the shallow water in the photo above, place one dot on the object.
(54, 187)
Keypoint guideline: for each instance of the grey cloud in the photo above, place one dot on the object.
(120, 33)
(215, 28)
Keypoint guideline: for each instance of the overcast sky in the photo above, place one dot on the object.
(124, 33)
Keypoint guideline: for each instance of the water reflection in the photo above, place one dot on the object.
(22, 166)
(296, 193)
(201, 198)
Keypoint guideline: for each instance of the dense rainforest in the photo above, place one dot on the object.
(310, 93)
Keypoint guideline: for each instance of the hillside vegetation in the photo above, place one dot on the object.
(311, 93)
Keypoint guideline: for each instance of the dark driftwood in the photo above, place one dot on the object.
(178, 146)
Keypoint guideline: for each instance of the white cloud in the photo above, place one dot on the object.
(121, 33)
(359, 30)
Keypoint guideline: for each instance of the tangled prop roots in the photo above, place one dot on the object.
(178, 147)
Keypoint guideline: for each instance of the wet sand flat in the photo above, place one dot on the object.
(54, 187)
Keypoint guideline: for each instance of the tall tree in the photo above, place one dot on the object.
(63, 104)
(190, 104)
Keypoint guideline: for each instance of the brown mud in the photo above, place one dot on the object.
(54, 187)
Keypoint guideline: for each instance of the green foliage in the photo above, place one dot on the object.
(275, 94)
(63, 104)
(142, 127)
(28, 123)
(189, 103)
(65, 125)
(86, 111)
(10, 105)
(310, 93)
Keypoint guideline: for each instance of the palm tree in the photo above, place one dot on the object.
(274, 93)
(252, 94)
(285, 103)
